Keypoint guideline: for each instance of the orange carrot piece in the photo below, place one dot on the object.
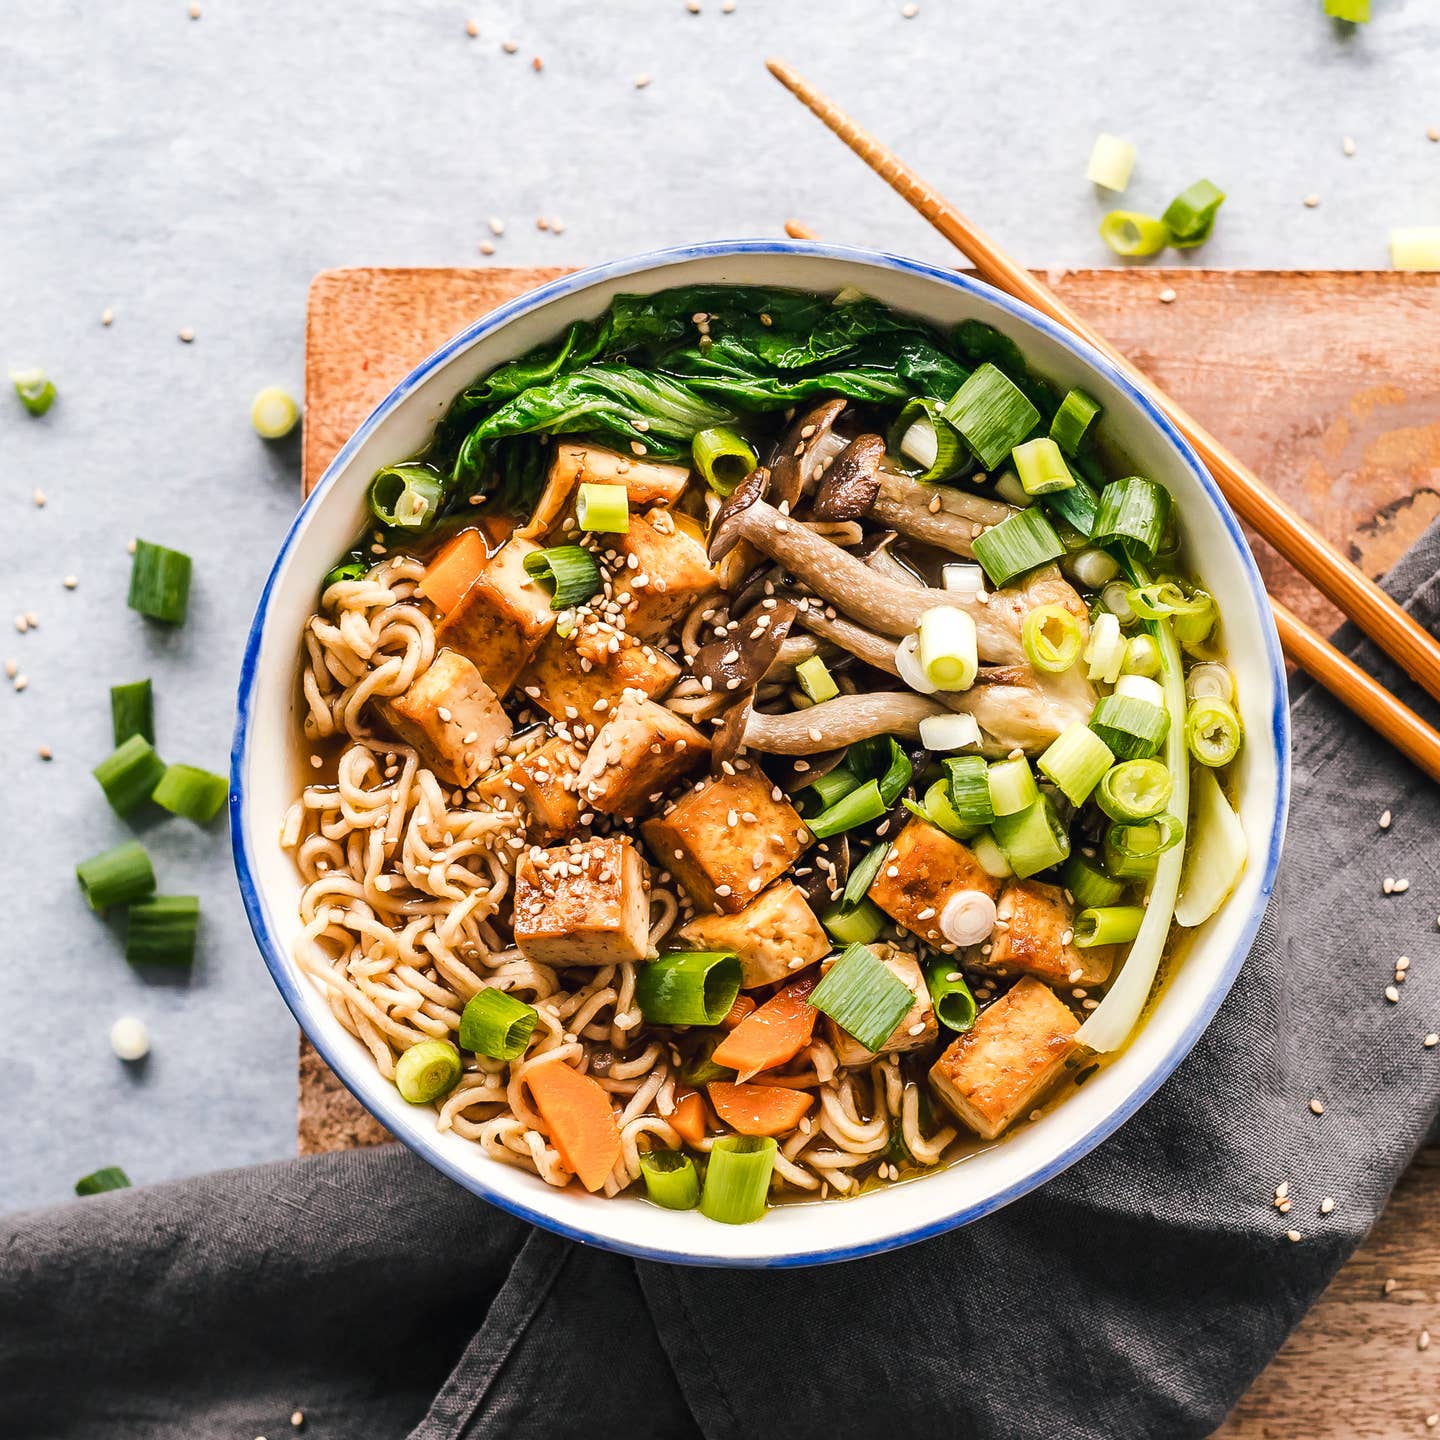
(688, 1118)
(778, 1031)
(577, 1113)
(759, 1109)
(744, 1005)
(452, 572)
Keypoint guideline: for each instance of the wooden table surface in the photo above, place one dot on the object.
(1327, 384)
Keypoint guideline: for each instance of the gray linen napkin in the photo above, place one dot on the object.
(1137, 1295)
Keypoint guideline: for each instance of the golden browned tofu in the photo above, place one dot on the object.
(646, 482)
(663, 570)
(919, 1027)
(452, 718)
(993, 1075)
(727, 839)
(639, 752)
(501, 618)
(1034, 928)
(924, 868)
(775, 935)
(586, 674)
(583, 904)
(543, 785)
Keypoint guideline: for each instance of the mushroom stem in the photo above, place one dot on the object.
(839, 722)
(905, 505)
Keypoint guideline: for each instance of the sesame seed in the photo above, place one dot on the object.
(472, 28)
(641, 81)
(1385, 819)
(1167, 296)
(12, 668)
(728, 8)
(297, 1418)
(509, 46)
(107, 316)
(1389, 1287)
(1281, 1191)
(1423, 1341)
(1348, 145)
(1311, 201)
(1392, 994)
(918, 1028)
(537, 64)
(39, 498)
(1431, 1040)
(1317, 1107)
(1432, 134)
(187, 335)
(21, 624)
(487, 247)
(1401, 886)
(45, 753)
(21, 682)
(130, 546)
(194, 10)
(1327, 1204)
(1293, 1236)
(909, 12)
(693, 6)
(71, 581)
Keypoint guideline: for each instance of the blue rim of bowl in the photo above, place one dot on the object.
(287, 979)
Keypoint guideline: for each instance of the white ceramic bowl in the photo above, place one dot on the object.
(266, 771)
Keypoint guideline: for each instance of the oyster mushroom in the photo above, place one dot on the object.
(736, 663)
(850, 485)
(802, 450)
(831, 725)
(827, 867)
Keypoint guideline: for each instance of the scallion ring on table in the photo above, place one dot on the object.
(688, 987)
(109, 1177)
(1190, 216)
(132, 711)
(274, 413)
(1133, 235)
(189, 791)
(129, 775)
(116, 876)
(723, 456)
(568, 571)
(1111, 161)
(670, 1178)
(406, 497)
(162, 930)
(160, 582)
(35, 389)
(1051, 639)
(1212, 731)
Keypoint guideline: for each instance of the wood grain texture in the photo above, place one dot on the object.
(1327, 384)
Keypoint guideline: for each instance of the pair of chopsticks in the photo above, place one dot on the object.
(1401, 637)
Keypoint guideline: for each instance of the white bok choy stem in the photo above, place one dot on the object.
(1110, 1024)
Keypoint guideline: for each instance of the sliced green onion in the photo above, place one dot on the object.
(116, 876)
(1012, 786)
(1415, 247)
(129, 775)
(189, 791)
(1092, 568)
(855, 925)
(112, 1177)
(1193, 614)
(1115, 597)
(352, 569)
(406, 497)
(1212, 731)
(132, 711)
(833, 786)
(427, 1071)
(940, 733)
(1041, 467)
(1090, 887)
(881, 759)
(1111, 161)
(938, 810)
(992, 413)
(947, 648)
(949, 994)
(1117, 925)
(1033, 839)
(1134, 790)
(1210, 680)
(816, 680)
(1051, 638)
(1009, 489)
(1140, 687)
(1018, 544)
(1072, 421)
(162, 930)
(1142, 656)
(968, 778)
(1133, 729)
(569, 571)
(1215, 856)
(1105, 652)
(1075, 760)
(863, 996)
(737, 1179)
(670, 1179)
(963, 578)
(1190, 216)
(722, 456)
(688, 987)
(496, 1024)
(862, 876)
(1135, 512)
(924, 437)
(1133, 235)
(603, 509)
(35, 389)
(273, 413)
(859, 807)
(702, 1069)
(989, 856)
(1079, 507)
(1131, 851)
(160, 582)
(1357, 12)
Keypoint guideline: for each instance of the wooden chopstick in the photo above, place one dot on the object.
(1401, 637)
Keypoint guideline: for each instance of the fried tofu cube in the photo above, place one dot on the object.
(924, 868)
(995, 1073)
(502, 618)
(452, 718)
(727, 839)
(666, 570)
(583, 904)
(544, 785)
(646, 482)
(775, 935)
(586, 674)
(1034, 931)
(919, 1027)
(640, 751)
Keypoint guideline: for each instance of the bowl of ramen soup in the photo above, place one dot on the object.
(758, 754)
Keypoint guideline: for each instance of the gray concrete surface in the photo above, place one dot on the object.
(196, 173)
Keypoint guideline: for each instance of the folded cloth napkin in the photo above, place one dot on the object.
(1137, 1295)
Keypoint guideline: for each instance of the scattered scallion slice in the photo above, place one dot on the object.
(989, 856)
(1075, 760)
(968, 778)
(1092, 568)
(162, 930)
(1111, 161)
(1133, 235)
(603, 508)
(835, 785)
(949, 994)
(1134, 790)
(1072, 421)
(1019, 543)
(1133, 729)
(1211, 678)
(1215, 856)
(1212, 731)
(1357, 12)
(737, 1179)
(1140, 687)
(1190, 216)
(992, 413)
(1111, 925)
(1041, 467)
(923, 436)
(947, 648)
(406, 497)
(863, 996)
(1105, 653)
(1415, 247)
(816, 680)
(938, 810)
(1051, 639)
(940, 733)
(688, 987)
(881, 759)
(1012, 786)
(569, 571)
(858, 924)
(1033, 839)
(1090, 886)
(274, 413)
(723, 457)
(352, 569)
(1133, 511)
(116, 876)
(862, 876)
(189, 791)
(111, 1177)
(862, 805)
(1079, 507)
(35, 389)
(132, 711)
(1132, 851)
(1192, 613)
(129, 775)
(701, 1069)
(1142, 657)
(670, 1179)
(160, 582)
(427, 1071)
(496, 1024)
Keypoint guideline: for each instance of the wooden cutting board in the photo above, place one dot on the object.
(1328, 384)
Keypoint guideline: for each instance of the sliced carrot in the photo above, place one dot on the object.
(577, 1113)
(744, 1005)
(688, 1117)
(759, 1109)
(452, 572)
(778, 1031)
